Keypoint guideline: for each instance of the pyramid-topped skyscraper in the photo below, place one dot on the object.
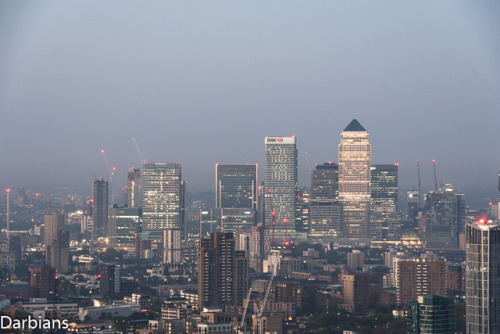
(354, 180)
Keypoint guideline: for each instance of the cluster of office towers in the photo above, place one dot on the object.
(351, 199)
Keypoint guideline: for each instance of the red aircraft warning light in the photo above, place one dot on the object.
(482, 220)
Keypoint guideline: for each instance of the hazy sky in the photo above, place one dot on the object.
(200, 82)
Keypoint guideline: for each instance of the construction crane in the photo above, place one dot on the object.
(287, 243)
(273, 215)
(112, 222)
(419, 184)
(8, 212)
(241, 330)
(261, 310)
(435, 178)
(143, 161)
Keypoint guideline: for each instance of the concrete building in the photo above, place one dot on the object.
(222, 272)
(355, 259)
(419, 277)
(43, 280)
(356, 291)
(119, 310)
(172, 253)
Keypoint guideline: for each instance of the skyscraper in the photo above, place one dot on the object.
(281, 181)
(240, 277)
(56, 241)
(52, 225)
(133, 186)
(162, 198)
(217, 280)
(384, 218)
(236, 186)
(431, 314)
(109, 278)
(324, 206)
(444, 217)
(100, 208)
(419, 277)
(482, 294)
(354, 180)
(325, 181)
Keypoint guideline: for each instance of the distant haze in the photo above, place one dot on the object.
(204, 82)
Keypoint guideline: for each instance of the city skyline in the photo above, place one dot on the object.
(425, 91)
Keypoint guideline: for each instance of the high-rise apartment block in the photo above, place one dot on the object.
(133, 187)
(236, 186)
(254, 240)
(43, 280)
(354, 180)
(172, 252)
(162, 198)
(56, 241)
(109, 278)
(100, 196)
(384, 217)
(281, 181)
(356, 291)
(419, 277)
(52, 225)
(240, 277)
(219, 273)
(482, 293)
(444, 218)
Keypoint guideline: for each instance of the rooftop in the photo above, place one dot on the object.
(354, 126)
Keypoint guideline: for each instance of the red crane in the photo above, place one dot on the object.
(435, 179)
(287, 243)
(273, 215)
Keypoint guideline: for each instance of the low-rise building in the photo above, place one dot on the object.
(93, 313)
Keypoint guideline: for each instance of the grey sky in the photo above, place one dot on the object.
(204, 82)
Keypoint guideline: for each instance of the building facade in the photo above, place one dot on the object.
(419, 277)
(444, 218)
(236, 186)
(325, 181)
(100, 202)
(384, 216)
(220, 275)
(281, 182)
(133, 187)
(431, 314)
(162, 198)
(172, 253)
(482, 293)
(354, 180)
